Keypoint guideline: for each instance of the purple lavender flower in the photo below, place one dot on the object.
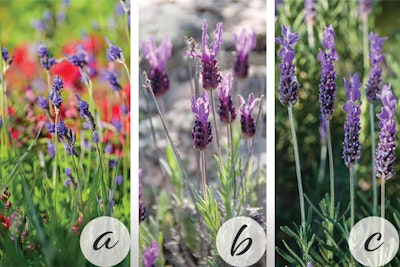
(50, 127)
(4, 54)
(118, 179)
(68, 172)
(226, 109)
(327, 86)
(108, 149)
(85, 113)
(157, 58)
(364, 8)
(309, 264)
(95, 137)
(210, 70)
(55, 93)
(247, 121)
(42, 102)
(51, 148)
(150, 254)
(114, 53)
(67, 182)
(62, 130)
(6, 57)
(112, 163)
(1, 121)
(113, 81)
(352, 126)
(288, 85)
(201, 133)
(46, 59)
(375, 74)
(243, 44)
(80, 58)
(309, 12)
(385, 152)
(117, 124)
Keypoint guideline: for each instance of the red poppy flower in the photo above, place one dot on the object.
(5, 222)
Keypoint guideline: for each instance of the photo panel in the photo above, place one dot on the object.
(202, 132)
(336, 76)
(65, 133)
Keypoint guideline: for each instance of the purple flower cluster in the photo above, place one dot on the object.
(226, 109)
(243, 44)
(6, 57)
(201, 133)
(46, 59)
(55, 93)
(210, 71)
(364, 8)
(85, 113)
(114, 53)
(385, 153)
(66, 135)
(309, 12)
(80, 58)
(327, 86)
(247, 121)
(157, 58)
(113, 81)
(288, 85)
(150, 254)
(352, 126)
(375, 75)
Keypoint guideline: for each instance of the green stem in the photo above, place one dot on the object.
(55, 164)
(382, 198)
(203, 173)
(298, 168)
(351, 173)
(126, 69)
(331, 170)
(216, 129)
(373, 147)
(365, 43)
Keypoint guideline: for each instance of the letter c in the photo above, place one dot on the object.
(366, 244)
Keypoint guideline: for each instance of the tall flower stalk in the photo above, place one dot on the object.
(202, 132)
(374, 87)
(385, 152)
(244, 43)
(327, 95)
(351, 144)
(288, 87)
(210, 70)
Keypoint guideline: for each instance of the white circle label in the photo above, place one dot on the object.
(241, 241)
(373, 241)
(105, 241)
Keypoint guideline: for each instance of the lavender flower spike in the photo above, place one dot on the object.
(157, 58)
(210, 71)
(150, 254)
(85, 113)
(55, 93)
(375, 74)
(226, 109)
(309, 12)
(288, 85)
(351, 149)
(243, 44)
(46, 59)
(247, 120)
(327, 86)
(201, 133)
(114, 53)
(364, 8)
(385, 153)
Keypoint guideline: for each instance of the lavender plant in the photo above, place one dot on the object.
(324, 240)
(227, 181)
